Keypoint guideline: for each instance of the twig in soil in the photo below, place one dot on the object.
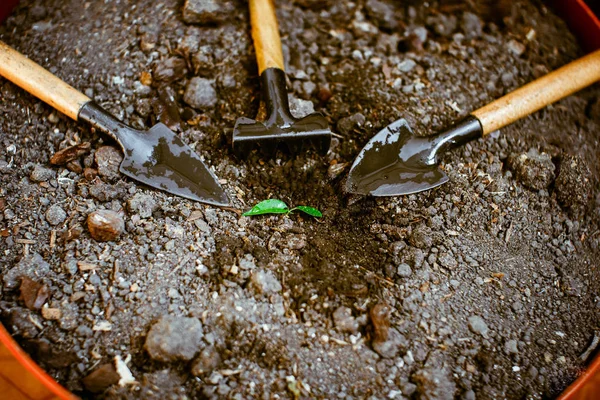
(377, 276)
(585, 355)
(233, 209)
(181, 264)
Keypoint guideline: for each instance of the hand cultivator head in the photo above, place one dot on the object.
(280, 128)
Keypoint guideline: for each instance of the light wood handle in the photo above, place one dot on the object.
(25, 73)
(265, 34)
(539, 93)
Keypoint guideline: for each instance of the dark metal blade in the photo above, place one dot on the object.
(386, 166)
(160, 159)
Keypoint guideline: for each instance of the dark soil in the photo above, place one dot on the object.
(487, 287)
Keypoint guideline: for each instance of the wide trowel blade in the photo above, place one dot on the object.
(163, 161)
(381, 170)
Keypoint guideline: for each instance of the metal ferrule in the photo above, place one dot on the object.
(460, 133)
(103, 121)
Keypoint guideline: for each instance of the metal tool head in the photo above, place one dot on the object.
(294, 135)
(159, 158)
(162, 160)
(281, 128)
(395, 162)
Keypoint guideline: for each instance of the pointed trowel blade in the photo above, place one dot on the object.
(391, 164)
(163, 161)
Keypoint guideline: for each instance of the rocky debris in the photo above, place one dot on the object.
(203, 60)
(32, 266)
(41, 174)
(442, 24)
(532, 169)
(70, 153)
(108, 160)
(33, 293)
(421, 237)
(344, 320)
(207, 12)
(55, 215)
(101, 378)
(142, 204)
(471, 25)
(105, 225)
(125, 375)
(404, 271)
(169, 70)
(447, 260)
(406, 65)
(382, 14)
(515, 47)
(347, 124)
(300, 108)
(264, 282)
(478, 325)
(200, 93)
(573, 183)
(174, 338)
(21, 322)
(434, 384)
(510, 347)
(207, 361)
(181, 259)
(106, 192)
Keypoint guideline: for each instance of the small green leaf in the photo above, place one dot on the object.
(308, 210)
(271, 206)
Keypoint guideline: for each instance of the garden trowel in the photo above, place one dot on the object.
(156, 157)
(396, 162)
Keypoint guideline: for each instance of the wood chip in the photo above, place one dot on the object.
(86, 266)
(103, 326)
(52, 314)
(70, 153)
(24, 241)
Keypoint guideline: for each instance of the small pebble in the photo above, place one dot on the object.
(105, 225)
(174, 338)
(55, 215)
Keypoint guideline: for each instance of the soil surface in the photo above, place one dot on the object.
(486, 287)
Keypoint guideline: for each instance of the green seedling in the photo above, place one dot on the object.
(274, 206)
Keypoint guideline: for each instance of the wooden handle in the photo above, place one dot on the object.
(25, 73)
(265, 34)
(539, 93)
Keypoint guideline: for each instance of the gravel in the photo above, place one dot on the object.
(265, 282)
(105, 225)
(108, 160)
(268, 290)
(42, 174)
(142, 204)
(344, 320)
(478, 325)
(174, 338)
(200, 93)
(206, 12)
(55, 215)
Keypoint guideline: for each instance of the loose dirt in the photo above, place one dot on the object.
(487, 287)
